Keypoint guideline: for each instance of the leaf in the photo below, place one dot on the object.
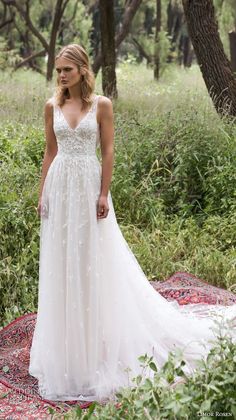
(185, 399)
(51, 410)
(92, 407)
(214, 388)
(233, 410)
(153, 366)
(142, 358)
(206, 405)
(138, 379)
(148, 385)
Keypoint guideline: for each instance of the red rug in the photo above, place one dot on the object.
(186, 288)
(19, 398)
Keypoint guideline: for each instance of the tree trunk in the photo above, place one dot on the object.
(174, 26)
(214, 65)
(185, 51)
(157, 41)
(148, 20)
(131, 8)
(107, 27)
(232, 44)
(59, 10)
(95, 36)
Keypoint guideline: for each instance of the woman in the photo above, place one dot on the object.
(97, 312)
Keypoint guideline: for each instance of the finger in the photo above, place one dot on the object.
(99, 213)
(104, 214)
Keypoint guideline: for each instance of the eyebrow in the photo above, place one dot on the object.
(65, 67)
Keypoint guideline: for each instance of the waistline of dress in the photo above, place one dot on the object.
(75, 155)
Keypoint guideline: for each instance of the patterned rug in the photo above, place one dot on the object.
(19, 397)
(186, 288)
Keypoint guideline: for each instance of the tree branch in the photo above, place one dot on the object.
(38, 69)
(142, 51)
(2, 24)
(30, 57)
(130, 11)
(63, 6)
(25, 15)
(67, 23)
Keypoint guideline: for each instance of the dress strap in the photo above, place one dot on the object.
(53, 101)
(54, 107)
(95, 102)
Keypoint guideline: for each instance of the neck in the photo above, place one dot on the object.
(75, 93)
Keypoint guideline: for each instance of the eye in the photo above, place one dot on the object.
(58, 71)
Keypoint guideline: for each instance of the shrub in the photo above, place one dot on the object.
(210, 389)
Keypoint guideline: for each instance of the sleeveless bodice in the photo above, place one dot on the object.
(83, 139)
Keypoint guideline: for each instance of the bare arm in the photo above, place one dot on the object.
(106, 122)
(51, 146)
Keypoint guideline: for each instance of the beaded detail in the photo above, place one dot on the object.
(84, 139)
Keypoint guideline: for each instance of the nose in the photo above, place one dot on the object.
(62, 75)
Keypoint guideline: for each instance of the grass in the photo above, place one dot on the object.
(23, 93)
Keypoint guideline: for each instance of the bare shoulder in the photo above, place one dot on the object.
(105, 106)
(48, 108)
(49, 103)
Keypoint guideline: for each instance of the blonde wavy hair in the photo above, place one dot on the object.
(77, 55)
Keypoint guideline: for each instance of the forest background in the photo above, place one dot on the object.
(174, 178)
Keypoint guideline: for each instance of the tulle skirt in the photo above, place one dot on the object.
(97, 312)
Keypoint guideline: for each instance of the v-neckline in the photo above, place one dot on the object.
(77, 126)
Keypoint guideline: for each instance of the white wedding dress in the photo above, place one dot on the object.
(97, 312)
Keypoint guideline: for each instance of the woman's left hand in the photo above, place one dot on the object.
(102, 207)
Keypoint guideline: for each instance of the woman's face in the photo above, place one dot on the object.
(68, 74)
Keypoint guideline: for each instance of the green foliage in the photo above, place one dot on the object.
(226, 16)
(23, 97)
(184, 164)
(8, 58)
(17, 41)
(164, 50)
(207, 250)
(79, 31)
(210, 389)
(149, 46)
(19, 175)
(147, 38)
(20, 42)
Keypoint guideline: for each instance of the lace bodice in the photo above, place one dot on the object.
(83, 139)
